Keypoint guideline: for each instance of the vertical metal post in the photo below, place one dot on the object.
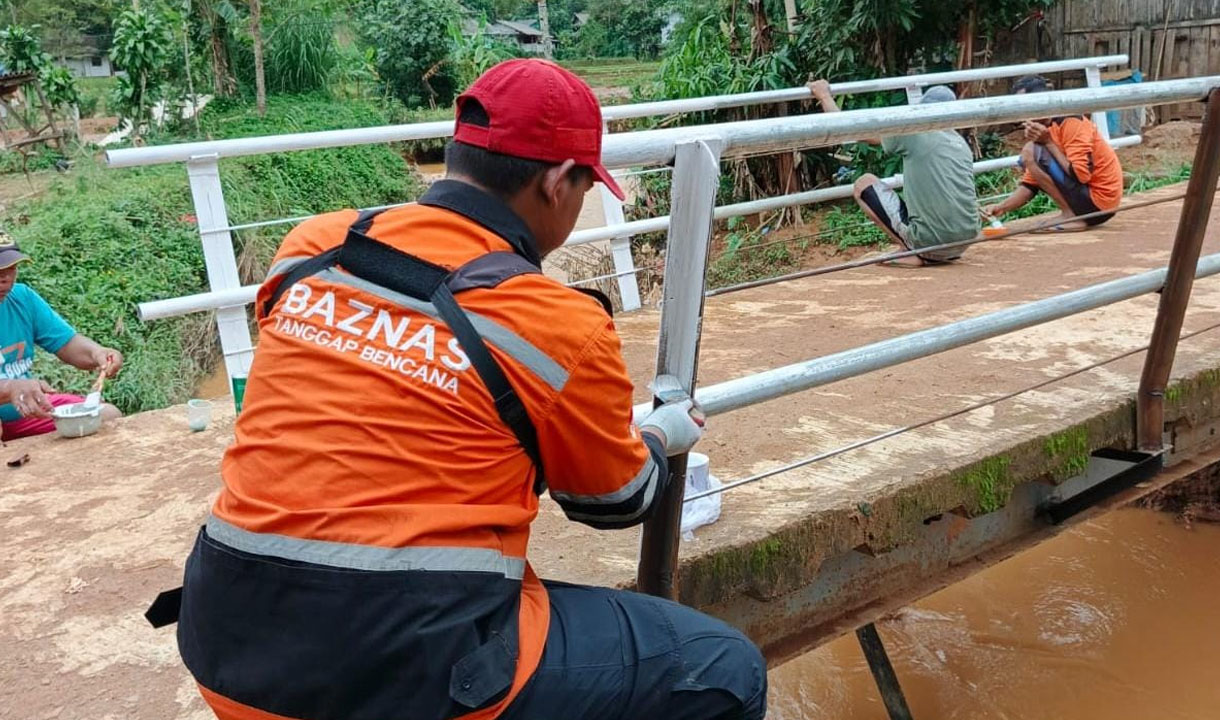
(1175, 296)
(1092, 76)
(620, 247)
(883, 672)
(212, 215)
(914, 94)
(696, 176)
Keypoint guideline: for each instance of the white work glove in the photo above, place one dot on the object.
(680, 422)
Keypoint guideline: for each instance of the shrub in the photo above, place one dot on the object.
(412, 47)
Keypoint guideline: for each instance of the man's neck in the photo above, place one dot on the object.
(518, 204)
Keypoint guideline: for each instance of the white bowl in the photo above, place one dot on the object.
(73, 421)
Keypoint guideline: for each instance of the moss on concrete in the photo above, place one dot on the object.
(767, 567)
(988, 481)
(1068, 452)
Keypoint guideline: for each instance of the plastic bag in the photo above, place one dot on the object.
(705, 510)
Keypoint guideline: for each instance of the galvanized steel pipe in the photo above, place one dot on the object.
(181, 152)
(652, 147)
(770, 384)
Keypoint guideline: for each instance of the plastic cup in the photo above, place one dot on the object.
(198, 414)
(239, 393)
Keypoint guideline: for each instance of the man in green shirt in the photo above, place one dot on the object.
(939, 204)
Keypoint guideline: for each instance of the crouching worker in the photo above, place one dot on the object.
(1068, 159)
(418, 384)
(938, 205)
(26, 322)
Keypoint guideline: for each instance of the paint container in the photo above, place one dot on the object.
(76, 420)
(198, 414)
(995, 227)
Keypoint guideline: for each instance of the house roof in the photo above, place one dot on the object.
(521, 28)
(495, 29)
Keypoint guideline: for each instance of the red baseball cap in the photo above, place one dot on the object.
(538, 111)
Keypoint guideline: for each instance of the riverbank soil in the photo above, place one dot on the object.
(1193, 500)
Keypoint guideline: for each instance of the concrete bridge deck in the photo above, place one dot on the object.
(92, 529)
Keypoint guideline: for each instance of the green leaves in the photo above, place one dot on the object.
(59, 85)
(411, 38)
(143, 46)
(20, 50)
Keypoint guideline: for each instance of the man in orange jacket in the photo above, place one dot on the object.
(1068, 159)
(366, 556)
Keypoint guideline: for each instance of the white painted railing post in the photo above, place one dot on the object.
(213, 218)
(1092, 76)
(693, 193)
(620, 247)
(914, 94)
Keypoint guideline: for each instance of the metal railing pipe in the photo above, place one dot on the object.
(656, 147)
(771, 384)
(761, 97)
(203, 302)
(807, 197)
(199, 302)
(181, 152)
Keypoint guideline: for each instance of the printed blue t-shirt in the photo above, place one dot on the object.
(27, 320)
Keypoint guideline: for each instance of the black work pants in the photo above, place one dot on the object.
(616, 655)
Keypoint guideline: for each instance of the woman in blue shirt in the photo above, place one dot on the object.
(26, 322)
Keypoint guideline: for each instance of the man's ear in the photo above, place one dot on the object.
(554, 181)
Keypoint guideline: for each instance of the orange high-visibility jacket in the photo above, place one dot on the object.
(366, 556)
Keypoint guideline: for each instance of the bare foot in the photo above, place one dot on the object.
(912, 261)
(1067, 223)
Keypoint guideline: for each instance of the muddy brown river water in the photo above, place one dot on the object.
(1116, 619)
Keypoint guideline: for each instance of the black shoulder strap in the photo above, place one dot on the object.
(317, 263)
(299, 272)
(391, 268)
(488, 271)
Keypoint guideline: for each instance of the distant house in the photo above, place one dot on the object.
(579, 20)
(89, 56)
(517, 32)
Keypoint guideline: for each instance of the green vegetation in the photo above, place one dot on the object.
(748, 256)
(410, 42)
(613, 72)
(990, 482)
(94, 95)
(618, 28)
(104, 240)
(144, 46)
(1069, 450)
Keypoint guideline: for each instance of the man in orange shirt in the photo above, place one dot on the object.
(1069, 160)
(366, 555)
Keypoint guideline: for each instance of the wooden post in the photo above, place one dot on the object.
(790, 11)
(1175, 296)
(544, 24)
(696, 176)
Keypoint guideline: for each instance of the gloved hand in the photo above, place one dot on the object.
(680, 423)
